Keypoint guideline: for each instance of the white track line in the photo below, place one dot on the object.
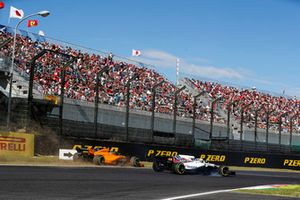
(201, 194)
(213, 192)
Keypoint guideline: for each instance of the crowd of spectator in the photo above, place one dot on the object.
(252, 101)
(80, 77)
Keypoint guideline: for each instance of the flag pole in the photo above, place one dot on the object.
(177, 71)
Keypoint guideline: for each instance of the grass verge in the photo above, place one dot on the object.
(288, 191)
(235, 168)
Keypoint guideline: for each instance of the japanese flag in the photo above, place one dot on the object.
(136, 52)
(16, 13)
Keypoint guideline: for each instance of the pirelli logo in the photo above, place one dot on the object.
(16, 144)
(8, 143)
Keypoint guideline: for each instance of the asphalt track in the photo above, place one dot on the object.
(23, 182)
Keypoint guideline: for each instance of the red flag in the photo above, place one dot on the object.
(32, 23)
(1, 4)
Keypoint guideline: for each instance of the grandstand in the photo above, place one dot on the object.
(239, 119)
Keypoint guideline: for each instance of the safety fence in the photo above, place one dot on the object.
(78, 121)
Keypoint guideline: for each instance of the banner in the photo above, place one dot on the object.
(147, 152)
(16, 144)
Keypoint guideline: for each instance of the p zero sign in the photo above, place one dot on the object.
(16, 144)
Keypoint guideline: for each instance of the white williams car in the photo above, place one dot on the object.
(185, 164)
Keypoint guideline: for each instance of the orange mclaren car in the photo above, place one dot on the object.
(105, 157)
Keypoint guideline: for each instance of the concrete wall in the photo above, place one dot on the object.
(111, 115)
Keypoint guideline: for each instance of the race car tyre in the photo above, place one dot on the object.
(95, 160)
(179, 168)
(157, 166)
(76, 157)
(224, 171)
(98, 160)
(122, 162)
(134, 161)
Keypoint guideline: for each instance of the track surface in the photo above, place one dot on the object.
(126, 183)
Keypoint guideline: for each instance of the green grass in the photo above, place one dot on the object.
(236, 168)
(289, 191)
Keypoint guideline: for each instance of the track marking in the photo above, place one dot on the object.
(219, 191)
(201, 194)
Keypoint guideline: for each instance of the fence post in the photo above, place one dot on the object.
(228, 121)
(242, 123)
(280, 127)
(229, 109)
(213, 103)
(291, 130)
(96, 90)
(194, 113)
(127, 104)
(255, 124)
(62, 93)
(31, 78)
(268, 125)
(153, 107)
(175, 110)
(267, 129)
(10, 88)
